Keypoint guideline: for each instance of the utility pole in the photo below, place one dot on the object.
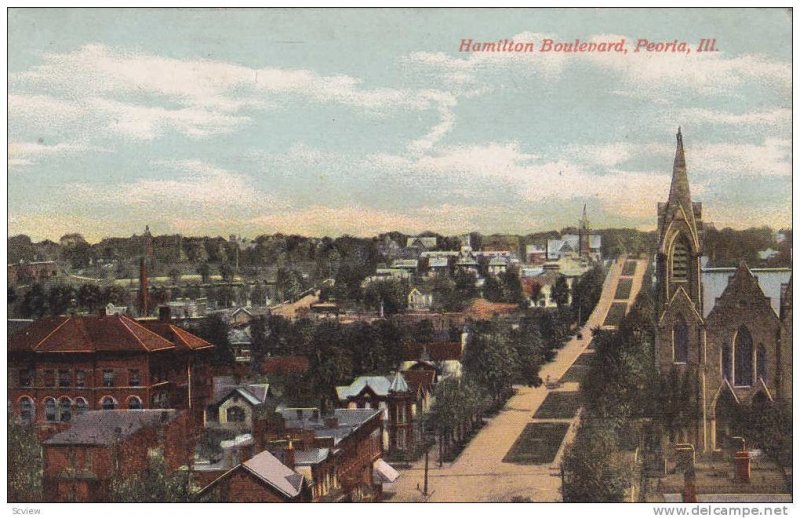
(425, 487)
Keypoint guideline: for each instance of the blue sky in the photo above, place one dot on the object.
(324, 122)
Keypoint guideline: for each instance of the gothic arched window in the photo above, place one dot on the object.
(726, 362)
(27, 410)
(761, 363)
(743, 358)
(680, 341)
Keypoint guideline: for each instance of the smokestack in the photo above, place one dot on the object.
(143, 295)
(164, 314)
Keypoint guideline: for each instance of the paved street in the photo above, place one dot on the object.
(479, 473)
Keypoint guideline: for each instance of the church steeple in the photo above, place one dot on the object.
(679, 190)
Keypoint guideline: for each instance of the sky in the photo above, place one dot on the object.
(361, 121)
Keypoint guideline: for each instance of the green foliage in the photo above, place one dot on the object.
(59, 298)
(155, 484)
(34, 302)
(24, 473)
(560, 293)
(204, 269)
(593, 467)
(391, 293)
(90, 297)
(215, 331)
(586, 292)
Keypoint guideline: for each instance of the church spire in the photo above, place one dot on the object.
(679, 190)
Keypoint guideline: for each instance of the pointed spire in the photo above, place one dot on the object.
(679, 190)
(398, 383)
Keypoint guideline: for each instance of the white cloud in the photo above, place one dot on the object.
(141, 95)
(771, 158)
(761, 118)
(27, 153)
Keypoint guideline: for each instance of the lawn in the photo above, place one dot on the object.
(575, 374)
(559, 405)
(537, 444)
(629, 269)
(624, 289)
(615, 314)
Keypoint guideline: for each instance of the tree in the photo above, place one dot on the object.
(174, 275)
(205, 272)
(59, 298)
(12, 295)
(155, 484)
(24, 463)
(226, 271)
(115, 295)
(560, 293)
(215, 331)
(34, 302)
(593, 468)
(490, 360)
(390, 293)
(89, 297)
(492, 291)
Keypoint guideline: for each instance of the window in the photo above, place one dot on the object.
(50, 409)
(134, 403)
(108, 377)
(761, 363)
(81, 406)
(108, 403)
(680, 261)
(25, 378)
(235, 414)
(401, 439)
(743, 358)
(26, 409)
(64, 378)
(726, 362)
(133, 378)
(680, 341)
(49, 378)
(65, 405)
(80, 378)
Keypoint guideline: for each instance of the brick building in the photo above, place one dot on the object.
(59, 367)
(27, 273)
(729, 329)
(79, 464)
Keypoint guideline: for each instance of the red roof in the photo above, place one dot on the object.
(437, 351)
(177, 335)
(285, 365)
(419, 379)
(88, 334)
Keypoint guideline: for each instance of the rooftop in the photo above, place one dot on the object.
(105, 427)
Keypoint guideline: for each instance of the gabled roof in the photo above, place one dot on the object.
(436, 351)
(105, 427)
(716, 280)
(180, 337)
(255, 394)
(420, 379)
(88, 334)
(310, 457)
(398, 383)
(269, 470)
(379, 385)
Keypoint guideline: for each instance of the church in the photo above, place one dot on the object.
(730, 328)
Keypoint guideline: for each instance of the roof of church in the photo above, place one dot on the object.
(770, 280)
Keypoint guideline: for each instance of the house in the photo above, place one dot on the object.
(466, 261)
(241, 342)
(390, 394)
(419, 300)
(240, 317)
(33, 272)
(263, 478)
(233, 407)
(421, 243)
(535, 254)
(421, 382)
(498, 265)
(64, 366)
(78, 464)
(442, 357)
(354, 437)
(438, 265)
(411, 266)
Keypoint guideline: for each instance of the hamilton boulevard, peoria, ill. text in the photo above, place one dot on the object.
(620, 46)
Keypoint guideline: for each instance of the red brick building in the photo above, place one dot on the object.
(59, 367)
(37, 271)
(79, 464)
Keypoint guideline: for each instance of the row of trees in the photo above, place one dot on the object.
(58, 299)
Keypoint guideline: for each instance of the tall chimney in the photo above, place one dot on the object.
(143, 295)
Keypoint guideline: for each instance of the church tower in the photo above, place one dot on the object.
(679, 238)
(583, 235)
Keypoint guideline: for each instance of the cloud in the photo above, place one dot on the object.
(141, 96)
(27, 153)
(771, 158)
(760, 118)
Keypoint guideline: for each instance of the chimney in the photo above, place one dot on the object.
(164, 314)
(143, 288)
(288, 455)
